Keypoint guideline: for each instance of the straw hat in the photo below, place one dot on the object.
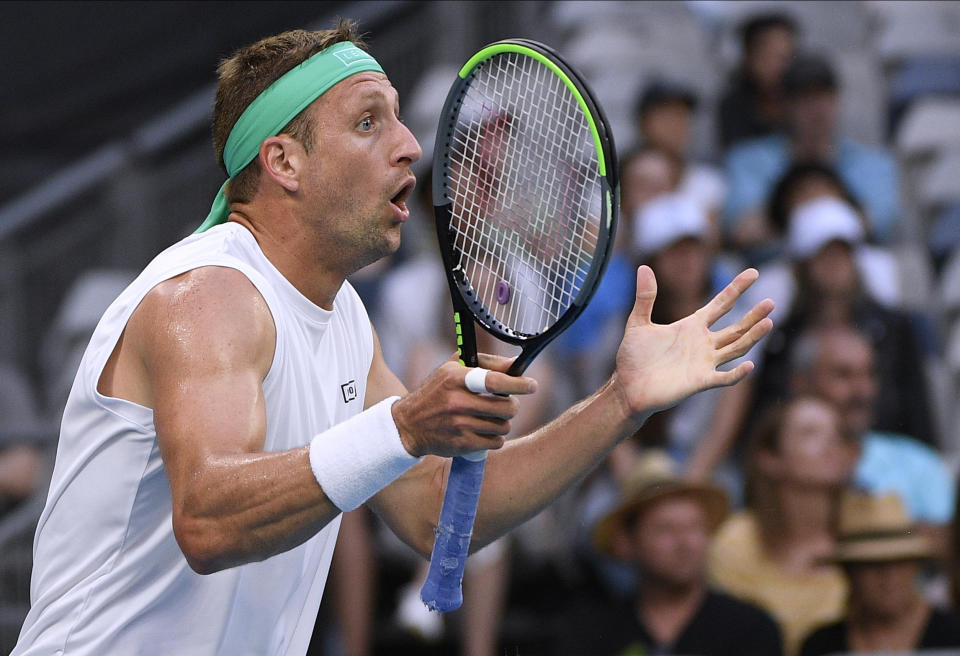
(877, 529)
(653, 479)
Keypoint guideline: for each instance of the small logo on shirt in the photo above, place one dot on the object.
(349, 390)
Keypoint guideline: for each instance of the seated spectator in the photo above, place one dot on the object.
(805, 182)
(840, 364)
(754, 103)
(881, 557)
(662, 528)
(812, 136)
(664, 114)
(772, 553)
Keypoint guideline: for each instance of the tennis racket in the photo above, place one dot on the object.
(526, 202)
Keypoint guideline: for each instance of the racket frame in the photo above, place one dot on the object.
(467, 307)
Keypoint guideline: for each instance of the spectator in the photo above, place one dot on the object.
(812, 136)
(754, 103)
(662, 528)
(772, 553)
(646, 172)
(664, 114)
(881, 558)
(840, 364)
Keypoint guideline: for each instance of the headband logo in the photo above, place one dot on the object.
(351, 56)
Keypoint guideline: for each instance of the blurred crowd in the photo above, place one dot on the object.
(808, 510)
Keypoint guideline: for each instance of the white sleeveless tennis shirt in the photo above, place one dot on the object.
(109, 577)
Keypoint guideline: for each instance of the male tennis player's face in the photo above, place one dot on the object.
(359, 174)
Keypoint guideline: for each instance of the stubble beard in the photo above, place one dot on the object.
(369, 242)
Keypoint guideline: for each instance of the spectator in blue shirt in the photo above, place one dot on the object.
(838, 363)
(754, 166)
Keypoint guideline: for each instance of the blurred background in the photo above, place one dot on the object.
(819, 141)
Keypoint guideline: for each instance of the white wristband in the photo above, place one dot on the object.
(357, 458)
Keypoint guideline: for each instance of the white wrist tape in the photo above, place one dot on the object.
(357, 458)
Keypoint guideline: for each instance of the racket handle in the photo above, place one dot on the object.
(441, 591)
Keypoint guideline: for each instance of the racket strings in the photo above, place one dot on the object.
(525, 190)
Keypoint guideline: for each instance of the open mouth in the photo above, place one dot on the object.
(400, 198)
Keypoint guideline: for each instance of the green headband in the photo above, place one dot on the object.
(279, 104)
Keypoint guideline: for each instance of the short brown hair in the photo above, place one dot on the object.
(250, 70)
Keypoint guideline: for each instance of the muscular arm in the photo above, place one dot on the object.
(197, 350)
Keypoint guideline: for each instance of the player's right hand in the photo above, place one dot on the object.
(442, 417)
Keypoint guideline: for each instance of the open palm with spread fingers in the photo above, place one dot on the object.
(660, 365)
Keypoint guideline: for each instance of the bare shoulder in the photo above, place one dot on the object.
(212, 316)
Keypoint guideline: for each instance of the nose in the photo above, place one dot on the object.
(408, 150)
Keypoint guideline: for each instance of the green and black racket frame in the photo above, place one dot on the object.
(526, 200)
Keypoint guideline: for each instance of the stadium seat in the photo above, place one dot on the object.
(924, 76)
(944, 234)
(948, 289)
(863, 115)
(916, 275)
(916, 29)
(929, 124)
(940, 182)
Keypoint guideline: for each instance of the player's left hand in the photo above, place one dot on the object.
(658, 366)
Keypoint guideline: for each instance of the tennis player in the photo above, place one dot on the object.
(233, 401)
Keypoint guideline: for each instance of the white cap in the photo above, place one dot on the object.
(665, 220)
(819, 221)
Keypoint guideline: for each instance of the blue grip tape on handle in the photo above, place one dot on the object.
(441, 591)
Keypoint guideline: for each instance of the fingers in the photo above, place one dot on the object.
(504, 385)
(494, 362)
(646, 295)
(732, 377)
(727, 298)
(744, 343)
(730, 334)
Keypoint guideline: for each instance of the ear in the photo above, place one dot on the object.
(283, 159)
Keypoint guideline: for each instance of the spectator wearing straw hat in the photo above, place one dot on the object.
(662, 527)
(881, 557)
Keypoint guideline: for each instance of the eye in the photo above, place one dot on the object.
(366, 124)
